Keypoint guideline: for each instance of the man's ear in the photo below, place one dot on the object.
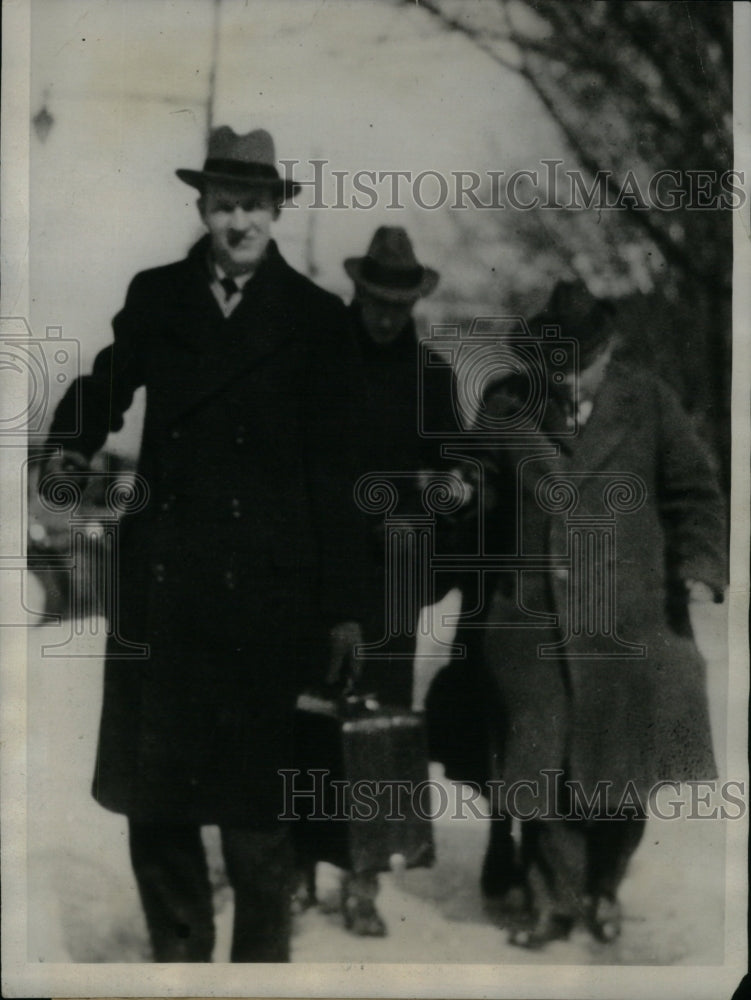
(277, 210)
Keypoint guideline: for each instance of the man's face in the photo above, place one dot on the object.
(239, 222)
(383, 320)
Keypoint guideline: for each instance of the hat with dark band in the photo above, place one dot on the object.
(581, 316)
(390, 270)
(247, 160)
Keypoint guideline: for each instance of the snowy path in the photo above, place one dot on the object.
(83, 904)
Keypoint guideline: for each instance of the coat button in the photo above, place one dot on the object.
(159, 572)
(229, 579)
(167, 503)
(236, 508)
(240, 435)
(175, 435)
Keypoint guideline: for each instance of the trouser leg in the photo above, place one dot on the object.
(365, 884)
(169, 863)
(555, 855)
(575, 868)
(611, 844)
(260, 869)
(501, 869)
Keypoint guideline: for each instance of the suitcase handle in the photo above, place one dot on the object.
(352, 674)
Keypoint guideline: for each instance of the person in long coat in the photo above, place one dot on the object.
(240, 569)
(401, 395)
(594, 687)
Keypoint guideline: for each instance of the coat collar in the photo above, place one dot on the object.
(222, 348)
(404, 348)
(583, 455)
(613, 415)
(262, 285)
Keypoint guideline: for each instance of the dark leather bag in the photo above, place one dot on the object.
(369, 766)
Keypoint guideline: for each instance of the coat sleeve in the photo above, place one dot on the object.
(96, 403)
(491, 488)
(691, 504)
(436, 401)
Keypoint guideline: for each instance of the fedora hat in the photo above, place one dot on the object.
(248, 159)
(389, 270)
(581, 316)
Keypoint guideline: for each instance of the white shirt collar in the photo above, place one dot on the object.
(239, 279)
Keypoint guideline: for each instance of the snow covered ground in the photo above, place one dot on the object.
(83, 905)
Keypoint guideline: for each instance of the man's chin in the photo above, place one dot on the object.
(239, 263)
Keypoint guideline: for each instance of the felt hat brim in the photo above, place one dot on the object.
(199, 178)
(593, 332)
(391, 293)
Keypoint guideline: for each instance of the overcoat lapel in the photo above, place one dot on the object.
(218, 349)
(612, 418)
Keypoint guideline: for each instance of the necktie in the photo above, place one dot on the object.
(230, 287)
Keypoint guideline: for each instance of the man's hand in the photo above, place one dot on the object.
(343, 638)
(61, 465)
(68, 461)
(49, 521)
(460, 483)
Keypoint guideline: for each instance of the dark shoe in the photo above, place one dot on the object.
(361, 916)
(552, 927)
(605, 919)
(512, 910)
(514, 902)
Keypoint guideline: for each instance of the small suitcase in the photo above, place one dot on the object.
(373, 802)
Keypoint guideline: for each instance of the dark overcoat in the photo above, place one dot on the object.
(596, 707)
(402, 395)
(247, 549)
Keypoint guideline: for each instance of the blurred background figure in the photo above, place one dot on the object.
(399, 398)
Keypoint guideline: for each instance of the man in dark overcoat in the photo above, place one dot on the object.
(241, 568)
(595, 689)
(401, 395)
